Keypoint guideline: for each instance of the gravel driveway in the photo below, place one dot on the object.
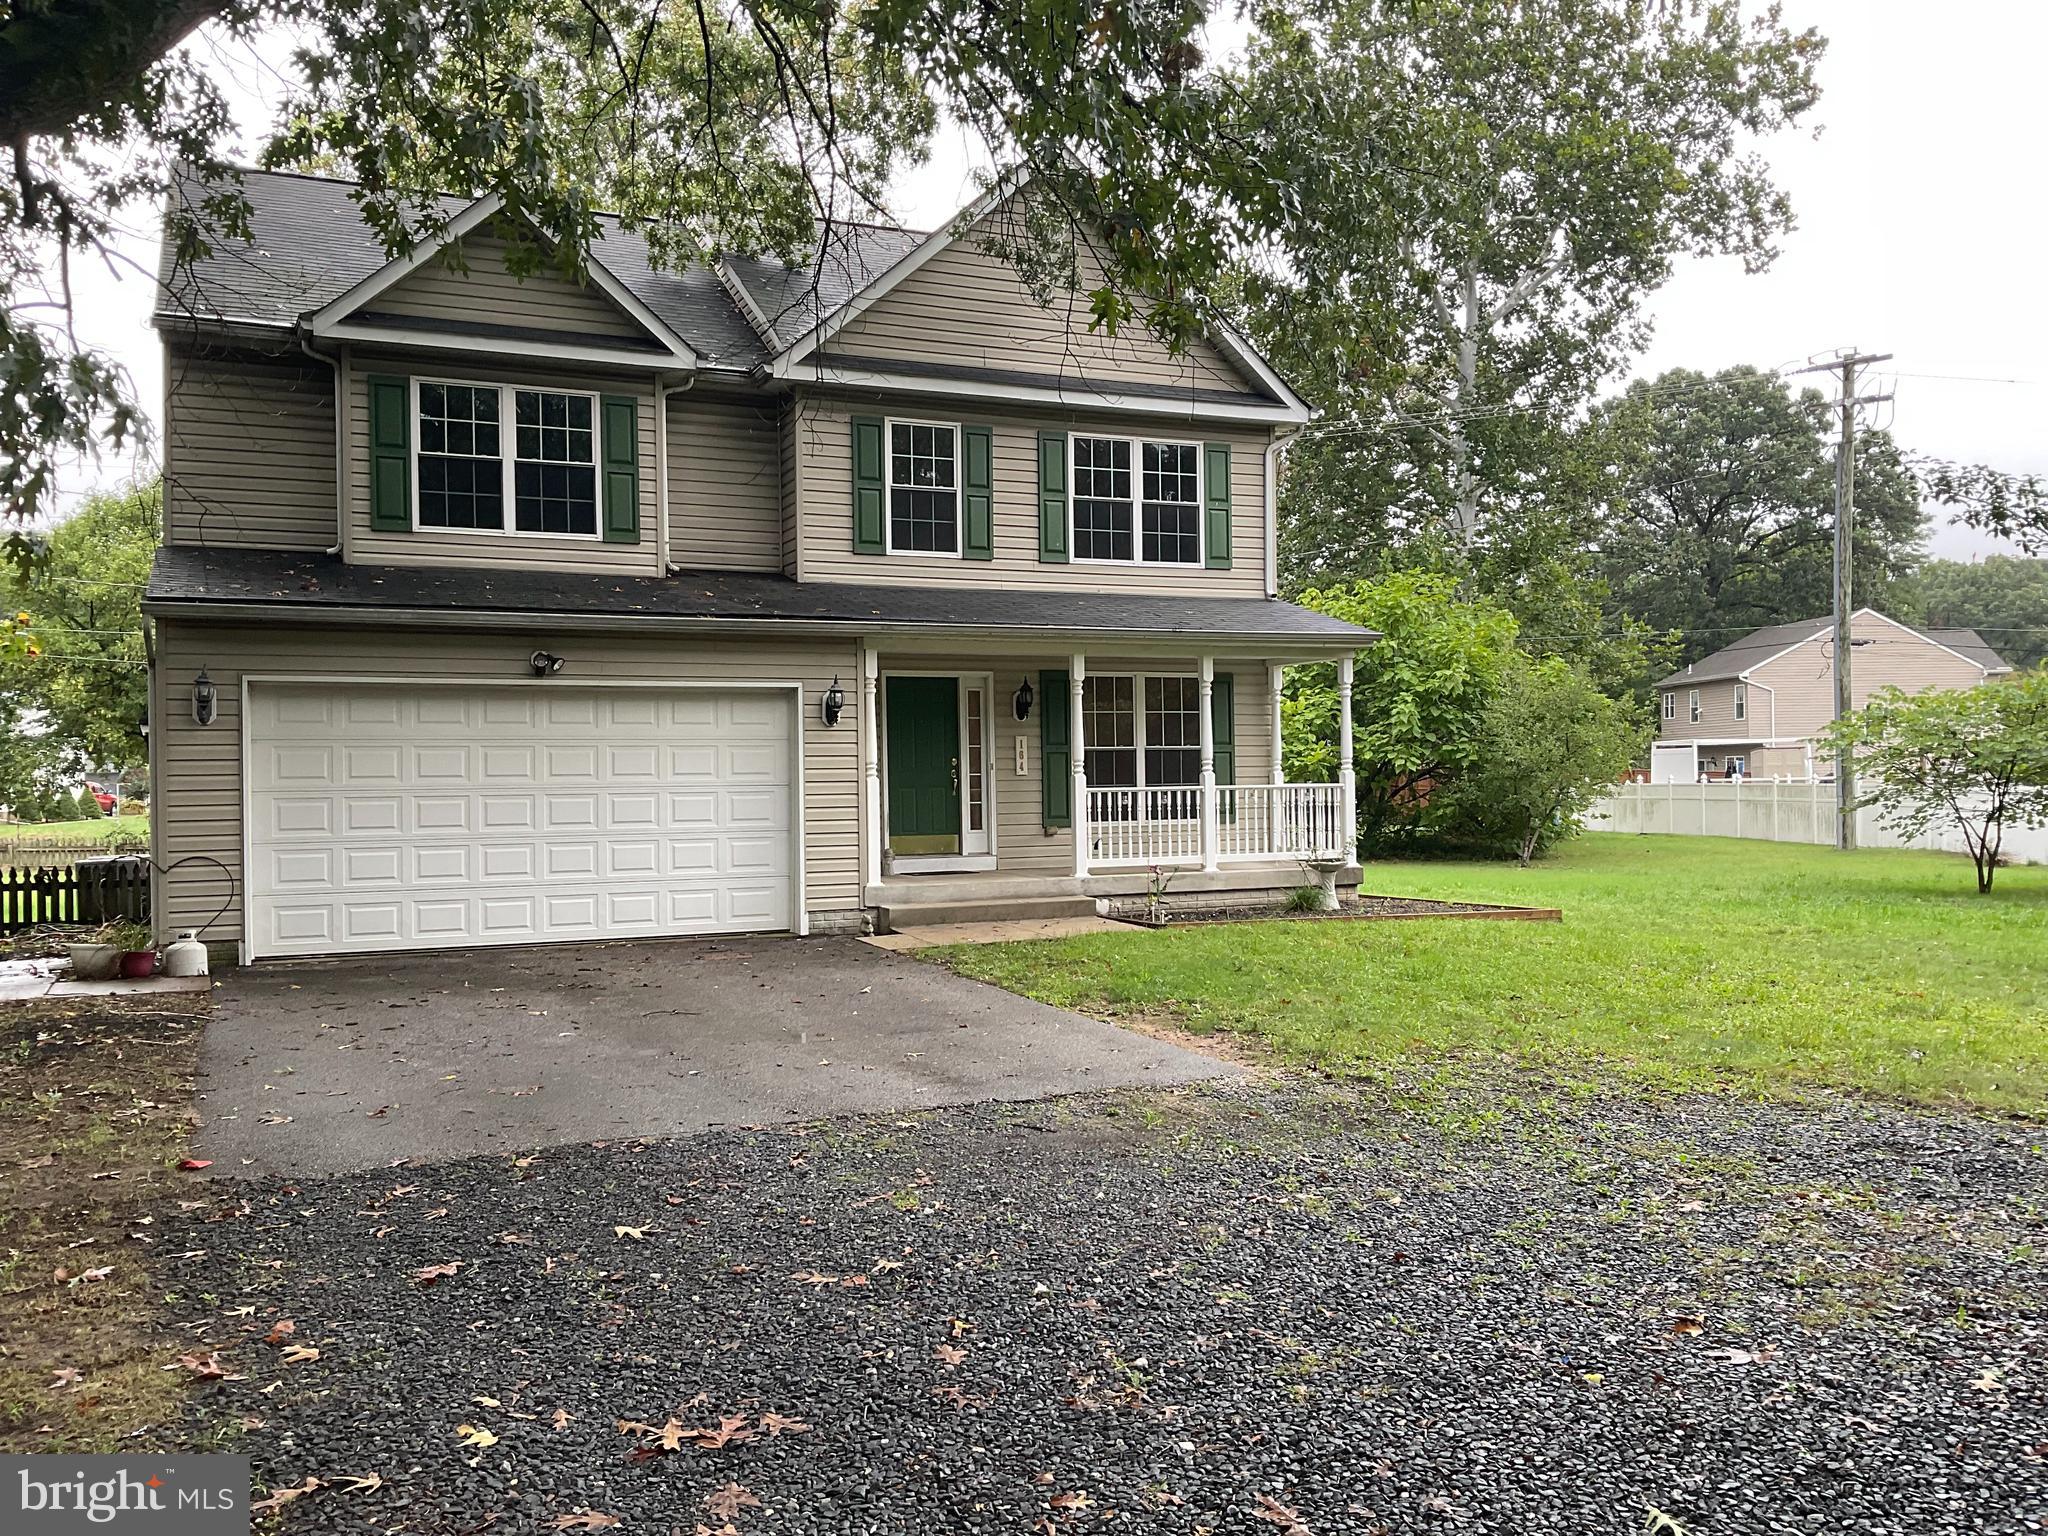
(1247, 1308)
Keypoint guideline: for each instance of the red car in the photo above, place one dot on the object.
(106, 801)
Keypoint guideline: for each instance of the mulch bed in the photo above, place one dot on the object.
(1351, 909)
(1265, 1309)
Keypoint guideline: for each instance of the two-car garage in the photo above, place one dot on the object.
(384, 815)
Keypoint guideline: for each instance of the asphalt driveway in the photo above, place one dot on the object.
(339, 1065)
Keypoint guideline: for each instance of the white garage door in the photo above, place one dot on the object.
(397, 817)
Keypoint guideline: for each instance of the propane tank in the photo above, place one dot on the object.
(185, 956)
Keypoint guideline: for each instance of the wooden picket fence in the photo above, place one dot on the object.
(82, 895)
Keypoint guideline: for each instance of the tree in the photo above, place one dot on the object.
(710, 127)
(1419, 694)
(86, 682)
(1725, 517)
(2003, 598)
(1975, 759)
(1479, 198)
(1550, 743)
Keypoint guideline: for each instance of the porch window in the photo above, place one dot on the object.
(1137, 501)
(1143, 732)
(924, 495)
(466, 479)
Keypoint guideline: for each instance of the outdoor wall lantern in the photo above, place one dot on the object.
(546, 663)
(1022, 702)
(833, 704)
(204, 699)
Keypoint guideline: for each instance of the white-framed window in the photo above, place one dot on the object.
(1742, 701)
(465, 480)
(924, 488)
(1738, 766)
(1692, 705)
(1670, 706)
(1142, 731)
(1137, 501)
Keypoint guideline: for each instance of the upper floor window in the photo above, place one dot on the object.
(924, 494)
(1137, 501)
(1670, 706)
(1742, 701)
(1692, 705)
(466, 479)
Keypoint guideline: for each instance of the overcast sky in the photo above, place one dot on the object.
(1920, 233)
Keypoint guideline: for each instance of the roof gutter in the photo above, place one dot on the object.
(237, 611)
(1281, 442)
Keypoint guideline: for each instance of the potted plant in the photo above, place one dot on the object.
(137, 945)
(97, 958)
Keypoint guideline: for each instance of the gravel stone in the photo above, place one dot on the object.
(1240, 1308)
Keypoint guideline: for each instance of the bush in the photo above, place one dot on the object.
(132, 807)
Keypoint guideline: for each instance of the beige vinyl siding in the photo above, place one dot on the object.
(1023, 844)
(786, 459)
(198, 805)
(823, 431)
(968, 306)
(725, 485)
(1717, 714)
(508, 551)
(487, 294)
(1893, 657)
(248, 451)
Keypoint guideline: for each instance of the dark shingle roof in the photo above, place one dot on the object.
(1760, 645)
(309, 245)
(226, 579)
(1969, 643)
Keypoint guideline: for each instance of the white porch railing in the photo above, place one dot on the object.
(1137, 827)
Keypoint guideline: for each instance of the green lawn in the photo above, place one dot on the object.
(105, 828)
(1683, 960)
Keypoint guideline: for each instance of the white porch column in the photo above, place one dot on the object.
(1347, 768)
(1210, 833)
(1275, 677)
(1077, 736)
(871, 767)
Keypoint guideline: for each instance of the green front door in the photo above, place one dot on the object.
(924, 764)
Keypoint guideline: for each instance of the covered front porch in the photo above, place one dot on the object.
(1067, 777)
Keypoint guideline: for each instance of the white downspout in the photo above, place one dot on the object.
(661, 535)
(1274, 449)
(340, 440)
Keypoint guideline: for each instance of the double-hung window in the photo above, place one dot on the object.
(1142, 732)
(1137, 500)
(924, 488)
(1692, 705)
(1670, 706)
(467, 478)
(1742, 701)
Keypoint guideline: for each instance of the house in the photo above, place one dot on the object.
(1754, 708)
(503, 609)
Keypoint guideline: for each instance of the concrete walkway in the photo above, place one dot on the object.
(26, 980)
(317, 1068)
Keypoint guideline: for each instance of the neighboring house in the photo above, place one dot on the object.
(743, 598)
(1755, 707)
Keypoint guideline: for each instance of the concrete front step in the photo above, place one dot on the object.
(892, 917)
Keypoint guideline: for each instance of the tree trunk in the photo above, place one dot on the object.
(1465, 482)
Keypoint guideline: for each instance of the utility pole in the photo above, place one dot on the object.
(1845, 564)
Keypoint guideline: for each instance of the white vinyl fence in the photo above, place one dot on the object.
(1775, 811)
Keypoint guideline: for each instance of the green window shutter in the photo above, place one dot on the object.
(1216, 504)
(870, 492)
(1056, 748)
(390, 458)
(1052, 499)
(1223, 733)
(621, 469)
(977, 493)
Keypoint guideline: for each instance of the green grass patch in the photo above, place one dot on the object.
(1686, 961)
(100, 829)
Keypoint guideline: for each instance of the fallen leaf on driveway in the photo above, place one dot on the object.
(637, 1234)
(280, 1330)
(726, 1503)
(583, 1520)
(207, 1367)
(45, 1161)
(1762, 1355)
(731, 1430)
(66, 1376)
(476, 1435)
(368, 1484)
(812, 1277)
(1687, 1325)
(948, 1355)
(1075, 1500)
(193, 1165)
(432, 1274)
(775, 1424)
(284, 1496)
(1272, 1510)
(1987, 1380)
(298, 1354)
